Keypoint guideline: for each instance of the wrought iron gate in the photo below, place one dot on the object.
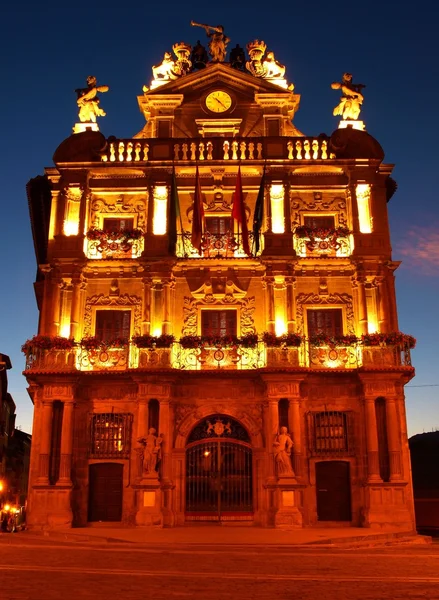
(219, 478)
(219, 481)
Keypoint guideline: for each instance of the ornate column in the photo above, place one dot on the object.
(291, 304)
(296, 433)
(362, 305)
(272, 430)
(393, 439)
(373, 466)
(156, 306)
(166, 328)
(66, 444)
(269, 299)
(77, 287)
(146, 318)
(383, 306)
(165, 432)
(66, 289)
(45, 441)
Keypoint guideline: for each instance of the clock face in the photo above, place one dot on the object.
(218, 101)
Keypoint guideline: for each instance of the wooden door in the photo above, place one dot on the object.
(105, 492)
(333, 486)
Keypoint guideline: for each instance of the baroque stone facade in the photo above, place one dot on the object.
(215, 382)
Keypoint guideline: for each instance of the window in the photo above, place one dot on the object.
(163, 128)
(283, 408)
(112, 324)
(110, 435)
(329, 433)
(319, 222)
(218, 322)
(217, 225)
(118, 224)
(273, 127)
(325, 320)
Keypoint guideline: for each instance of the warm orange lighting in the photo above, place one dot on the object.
(157, 331)
(7, 507)
(353, 125)
(277, 194)
(1, 486)
(160, 209)
(363, 203)
(207, 453)
(280, 326)
(65, 330)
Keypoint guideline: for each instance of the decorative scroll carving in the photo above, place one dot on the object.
(116, 302)
(115, 206)
(316, 299)
(319, 204)
(191, 305)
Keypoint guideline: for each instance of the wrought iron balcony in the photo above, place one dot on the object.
(309, 242)
(213, 245)
(233, 357)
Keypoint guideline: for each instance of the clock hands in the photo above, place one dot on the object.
(221, 103)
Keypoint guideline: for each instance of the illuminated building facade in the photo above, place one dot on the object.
(191, 372)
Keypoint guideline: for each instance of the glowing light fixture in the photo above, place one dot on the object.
(363, 203)
(277, 195)
(160, 195)
(65, 330)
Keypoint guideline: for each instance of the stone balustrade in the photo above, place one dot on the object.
(224, 149)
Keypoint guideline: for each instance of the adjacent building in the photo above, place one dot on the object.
(218, 336)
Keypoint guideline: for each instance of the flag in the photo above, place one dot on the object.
(258, 215)
(238, 213)
(174, 214)
(197, 216)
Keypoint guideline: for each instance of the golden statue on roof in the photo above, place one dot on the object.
(88, 101)
(218, 41)
(350, 103)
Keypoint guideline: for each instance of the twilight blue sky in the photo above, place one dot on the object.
(48, 48)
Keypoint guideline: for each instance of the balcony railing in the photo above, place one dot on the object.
(334, 247)
(213, 245)
(216, 148)
(217, 357)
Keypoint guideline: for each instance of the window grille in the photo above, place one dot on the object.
(113, 324)
(219, 322)
(330, 433)
(319, 221)
(110, 435)
(325, 320)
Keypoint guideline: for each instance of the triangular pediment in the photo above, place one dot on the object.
(217, 73)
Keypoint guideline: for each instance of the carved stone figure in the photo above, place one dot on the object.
(256, 51)
(88, 101)
(164, 69)
(199, 56)
(237, 57)
(272, 68)
(152, 452)
(182, 65)
(218, 41)
(351, 100)
(282, 453)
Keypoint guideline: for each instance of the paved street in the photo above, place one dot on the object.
(38, 568)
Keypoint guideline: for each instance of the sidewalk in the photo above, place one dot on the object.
(211, 535)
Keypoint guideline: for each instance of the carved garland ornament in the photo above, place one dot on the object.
(122, 301)
(191, 306)
(314, 299)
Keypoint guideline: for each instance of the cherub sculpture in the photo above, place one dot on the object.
(88, 101)
(351, 100)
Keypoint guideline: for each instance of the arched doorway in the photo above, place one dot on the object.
(105, 492)
(333, 484)
(219, 476)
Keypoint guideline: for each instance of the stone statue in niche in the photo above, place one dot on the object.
(88, 101)
(282, 453)
(151, 452)
(350, 103)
